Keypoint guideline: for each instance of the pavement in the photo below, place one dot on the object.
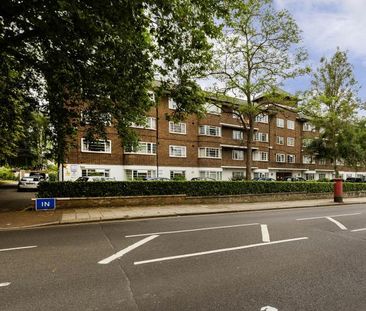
(30, 218)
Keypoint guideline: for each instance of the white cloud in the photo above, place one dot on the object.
(328, 24)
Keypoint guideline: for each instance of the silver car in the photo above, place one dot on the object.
(28, 183)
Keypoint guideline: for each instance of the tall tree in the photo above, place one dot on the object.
(259, 49)
(101, 57)
(331, 105)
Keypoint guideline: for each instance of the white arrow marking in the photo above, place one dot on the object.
(126, 250)
(268, 308)
(5, 284)
(265, 233)
(340, 225)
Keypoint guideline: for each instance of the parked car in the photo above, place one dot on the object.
(295, 179)
(94, 178)
(28, 183)
(263, 179)
(156, 178)
(354, 179)
(202, 179)
(40, 175)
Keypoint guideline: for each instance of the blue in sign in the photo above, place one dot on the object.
(45, 204)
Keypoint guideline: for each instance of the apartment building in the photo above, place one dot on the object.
(213, 146)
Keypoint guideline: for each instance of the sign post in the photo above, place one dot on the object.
(45, 204)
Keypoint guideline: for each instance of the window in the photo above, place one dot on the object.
(212, 109)
(150, 124)
(238, 135)
(261, 118)
(307, 159)
(291, 158)
(172, 104)
(238, 154)
(209, 130)
(143, 148)
(87, 117)
(280, 140)
(280, 157)
(309, 176)
(322, 176)
(290, 141)
(102, 172)
(177, 151)
(306, 142)
(98, 146)
(290, 124)
(263, 137)
(178, 175)
(260, 156)
(140, 174)
(177, 128)
(322, 162)
(217, 175)
(280, 122)
(207, 152)
(307, 127)
(238, 175)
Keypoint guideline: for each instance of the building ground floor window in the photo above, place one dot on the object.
(100, 172)
(261, 175)
(238, 175)
(178, 175)
(310, 176)
(140, 174)
(217, 175)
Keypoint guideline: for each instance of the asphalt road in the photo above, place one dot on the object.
(11, 200)
(281, 260)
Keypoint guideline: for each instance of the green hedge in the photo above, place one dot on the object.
(191, 188)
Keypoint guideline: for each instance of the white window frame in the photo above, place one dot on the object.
(322, 162)
(280, 158)
(205, 130)
(306, 159)
(291, 156)
(150, 124)
(237, 133)
(307, 127)
(291, 124)
(217, 175)
(280, 122)
(204, 152)
(262, 137)
(261, 118)
(177, 128)
(149, 146)
(172, 104)
(212, 109)
(261, 156)
(173, 148)
(85, 145)
(280, 140)
(291, 141)
(237, 155)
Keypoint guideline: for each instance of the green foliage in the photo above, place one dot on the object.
(6, 173)
(331, 106)
(190, 188)
(259, 48)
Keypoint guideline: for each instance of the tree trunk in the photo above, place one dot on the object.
(249, 158)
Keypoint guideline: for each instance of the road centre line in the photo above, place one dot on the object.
(126, 250)
(340, 225)
(265, 233)
(16, 248)
(215, 251)
(5, 284)
(341, 215)
(190, 230)
(357, 230)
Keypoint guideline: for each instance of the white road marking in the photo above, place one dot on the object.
(341, 215)
(5, 284)
(356, 230)
(265, 233)
(216, 251)
(340, 225)
(268, 308)
(16, 248)
(190, 230)
(126, 250)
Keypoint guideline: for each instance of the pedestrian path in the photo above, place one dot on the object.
(29, 219)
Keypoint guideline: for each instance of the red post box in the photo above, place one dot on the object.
(338, 190)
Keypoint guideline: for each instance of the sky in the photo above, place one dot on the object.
(326, 25)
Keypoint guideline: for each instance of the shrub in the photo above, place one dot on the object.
(195, 188)
(6, 173)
